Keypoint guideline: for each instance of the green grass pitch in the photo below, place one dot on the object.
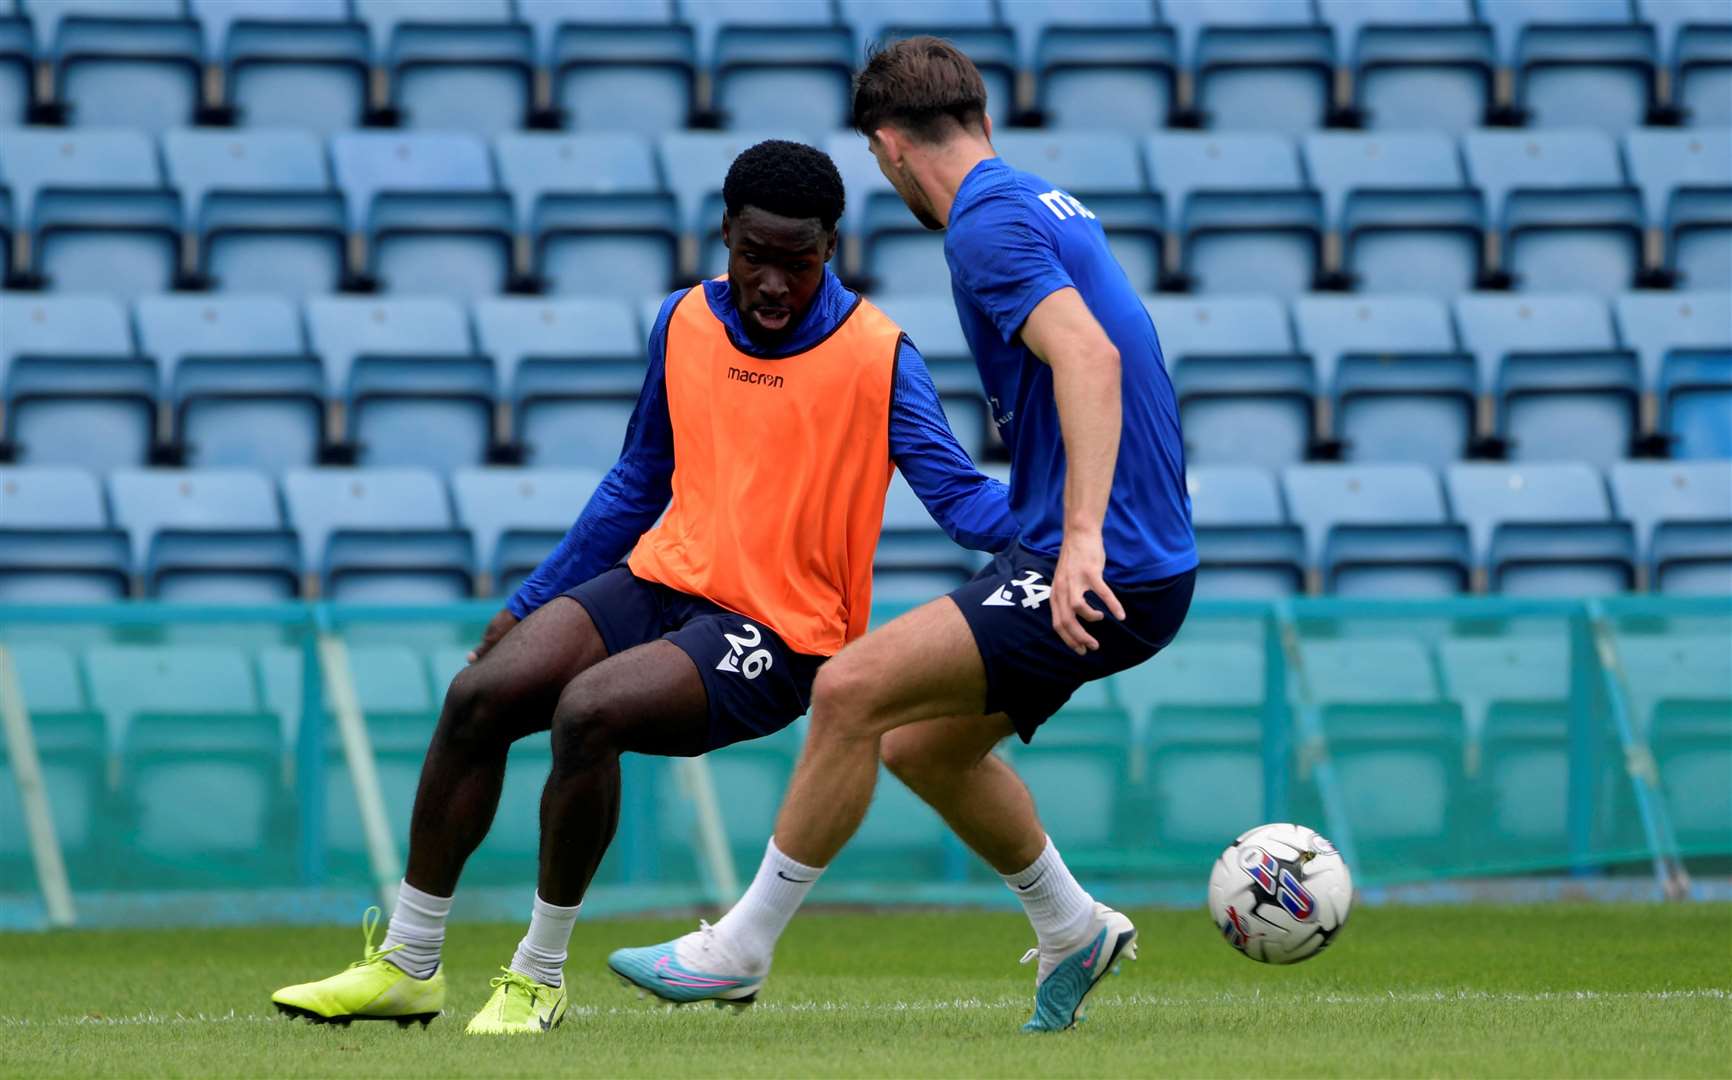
(1540, 991)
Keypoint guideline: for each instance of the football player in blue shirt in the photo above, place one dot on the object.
(1100, 581)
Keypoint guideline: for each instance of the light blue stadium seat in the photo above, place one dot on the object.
(1248, 221)
(1542, 530)
(1260, 65)
(1245, 544)
(1086, 54)
(782, 64)
(1401, 389)
(1378, 530)
(194, 733)
(913, 551)
(262, 207)
(465, 67)
(1684, 341)
(1408, 222)
(590, 201)
(1686, 177)
(898, 254)
(603, 53)
(95, 205)
(1577, 63)
(244, 389)
(122, 63)
(1105, 172)
(1569, 220)
(1396, 745)
(1697, 38)
(930, 322)
(290, 63)
(971, 25)
(1681, 691)
(17, 68)
(1565, 390)
(518, 515)
(207, 535)
(1682, 511)
(1419, 65)
(76, 392)
(576, 431)
(419, 394)
(435, 221)
(1080, 774)
(56, 545)
(72, 749)
(380, 535)
(1235, 368)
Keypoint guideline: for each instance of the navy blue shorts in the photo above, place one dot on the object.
(756, 685)
(1030, 671)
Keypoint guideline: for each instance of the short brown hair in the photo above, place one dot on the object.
(917, 85)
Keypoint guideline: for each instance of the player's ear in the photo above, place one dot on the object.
(726, 242)
(829, 244)
(986, 125)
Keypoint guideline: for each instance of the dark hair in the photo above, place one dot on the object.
(790, 179)
(917, 85)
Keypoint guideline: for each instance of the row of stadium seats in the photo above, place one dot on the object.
(1167, 753)
(399, 535)
(258, 382)
(494, 65)
(414, 213)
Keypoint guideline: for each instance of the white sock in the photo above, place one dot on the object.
(752, 926)
(418, 926)
(541, 953)
(1058, 907)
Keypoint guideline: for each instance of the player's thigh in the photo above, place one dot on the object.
(944, 745)
(516, 685)
(646, 700)
(921, 666)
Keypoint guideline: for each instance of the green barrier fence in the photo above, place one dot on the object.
(178, 764)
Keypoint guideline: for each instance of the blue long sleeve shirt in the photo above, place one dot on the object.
(973, 509)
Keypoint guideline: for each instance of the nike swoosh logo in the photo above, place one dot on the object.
(1032, 884)
(795, 880)
(547, 1022)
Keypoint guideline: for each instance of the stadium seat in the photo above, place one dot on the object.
(593, 200)
(782, 64)
(1086, 53)
(134, 64)
(1542, 530)
(915, 560)
(244, 389)
(290, 64)
(1105, 172)
(1247, 221)
(1696, 36)
(207, 535)
(17, 69)
(435, 222)
(1245, 544)
(1564, 389)
(194, 733)
(1686, 177)
(72, 749)
(1396, 745)
(930, 322)
(603, 52)
(262, 207)
(1421, 65)
(863, 181)
(56, 546)
(465, 67)
(75, 391)
(1260, 65)
(1577, 63)
(1569, 222)
(1378, 530)
(1407, 220)
(1681, 690)
(1079, 773)
(1684, 341)
(418, 394)
(1235, 369)
(380, 535)
(518, 515)
(94, 203)
(972, 25)
(1682, 512)
(1400, 389)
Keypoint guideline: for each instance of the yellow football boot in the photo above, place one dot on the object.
(372, 988)
(519, 1006)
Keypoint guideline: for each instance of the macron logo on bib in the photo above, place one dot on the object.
(756, 378)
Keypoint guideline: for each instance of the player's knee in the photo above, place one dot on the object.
(585, 729)
(472, 712)
(903, 755)
(842, 699)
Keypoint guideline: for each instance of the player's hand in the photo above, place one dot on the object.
(1082, 560)
(496, 629)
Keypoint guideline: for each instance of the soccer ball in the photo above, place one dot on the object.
(1280, 893)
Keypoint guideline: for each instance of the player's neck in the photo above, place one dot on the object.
(947, 166)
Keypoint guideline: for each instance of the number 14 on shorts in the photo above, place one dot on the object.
(737, 659)
(1034, 593)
